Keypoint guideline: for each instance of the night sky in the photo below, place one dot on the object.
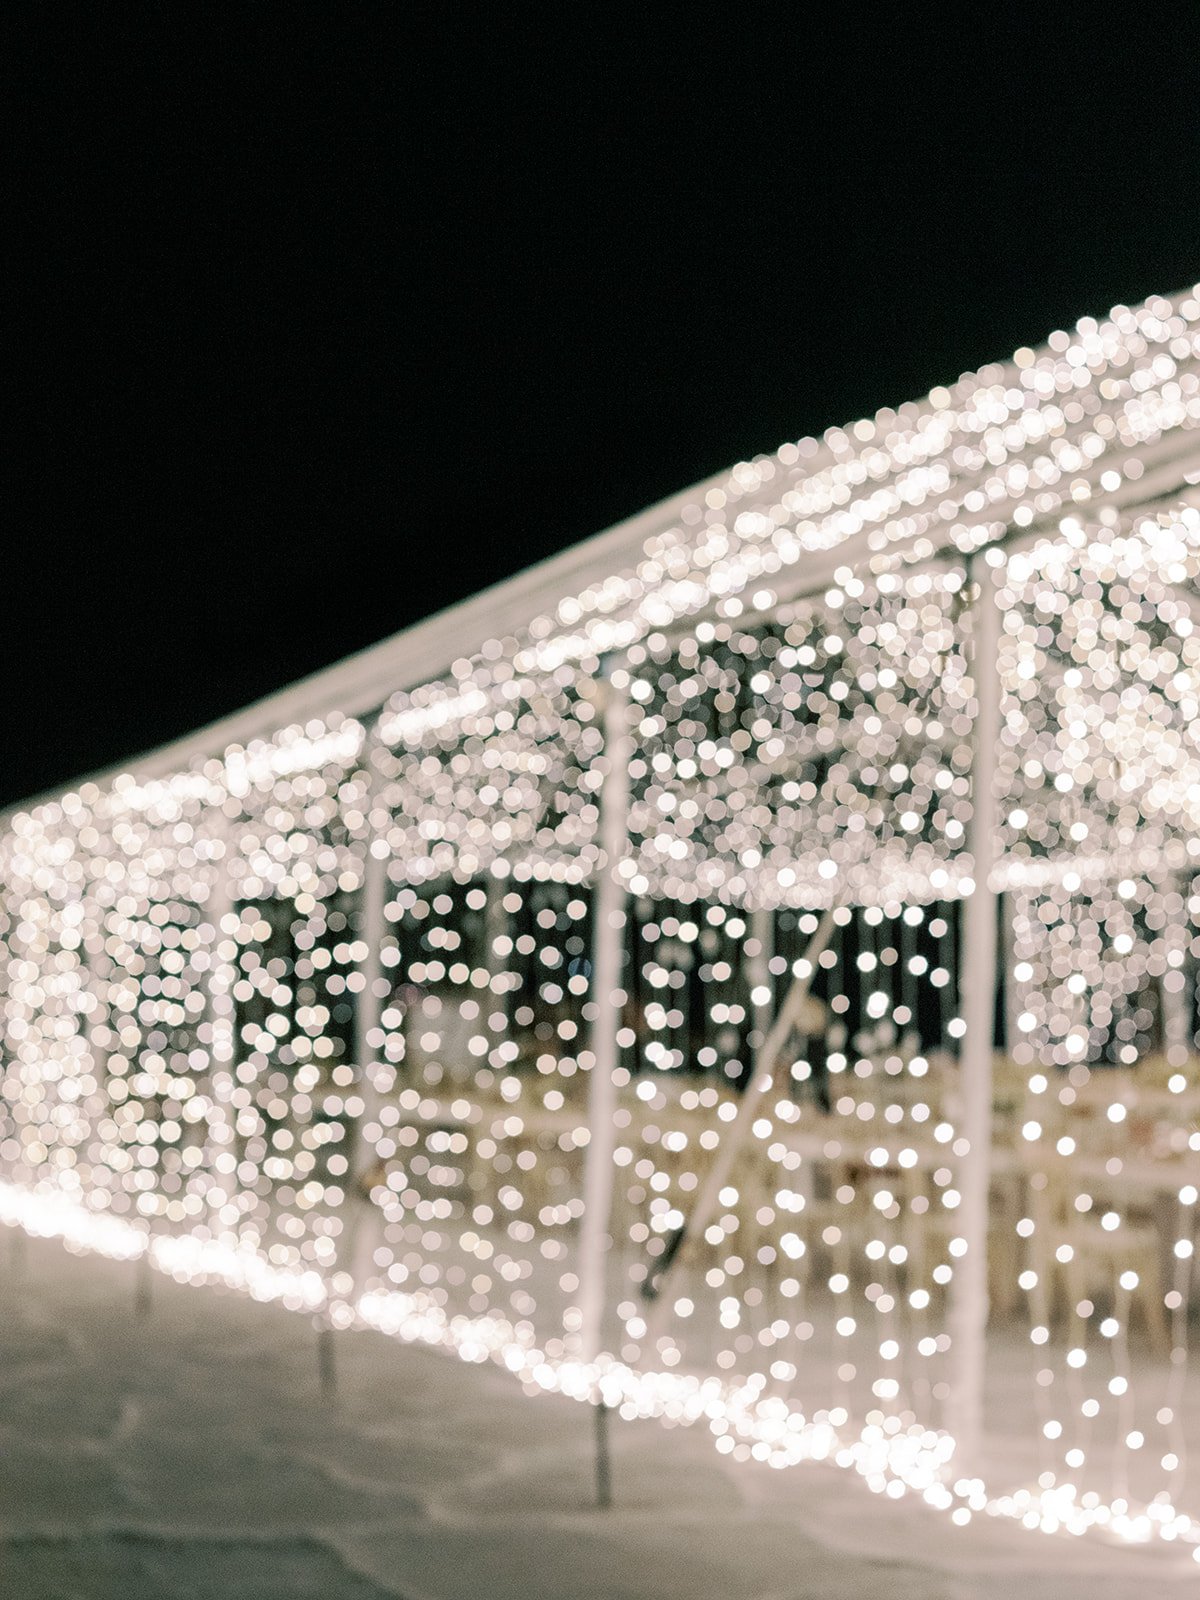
(322, 320)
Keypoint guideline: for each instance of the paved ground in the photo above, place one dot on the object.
(191, 1454)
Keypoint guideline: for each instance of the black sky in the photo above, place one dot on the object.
(322, 319)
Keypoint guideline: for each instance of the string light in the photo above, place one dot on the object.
(211, 1058)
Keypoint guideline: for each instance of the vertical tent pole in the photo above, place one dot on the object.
(368, 1021)
(220, 1013)
(495, 926)
(607, 1000)
(758, 973)
(1008, 956)
(968, 1309)
(1176, 1013)
(97, 968)
(369, 1011)
(218, 1006)
(368, 1015)
(215, 907)
(762, 930)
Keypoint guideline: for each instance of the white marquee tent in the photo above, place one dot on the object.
(742, 970)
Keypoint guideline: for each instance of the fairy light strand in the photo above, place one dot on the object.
(184, 956)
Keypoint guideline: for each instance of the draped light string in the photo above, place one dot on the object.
(1083, 418)
(1101, 750)
(892, 1460)
(183, 1074)
(834, 747)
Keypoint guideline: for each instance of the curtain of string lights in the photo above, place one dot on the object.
(760, 992)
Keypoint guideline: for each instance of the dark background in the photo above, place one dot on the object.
(321, 319)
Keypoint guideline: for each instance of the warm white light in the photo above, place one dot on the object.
(315, 1017)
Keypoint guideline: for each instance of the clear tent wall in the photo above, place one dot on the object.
(779, 1014)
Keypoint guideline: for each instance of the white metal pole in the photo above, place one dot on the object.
(495, 926)
(219, 1018)
(1009, 903)
(358, 1208)
(607, 1000)
(968, 1309)
(95, 975)
(1176, 1013)
(369, 1011)
(368, 1015)
(758, 970)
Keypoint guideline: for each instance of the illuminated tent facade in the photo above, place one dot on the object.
(743, 970)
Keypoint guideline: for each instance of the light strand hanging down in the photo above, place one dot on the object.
(316, 1014)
